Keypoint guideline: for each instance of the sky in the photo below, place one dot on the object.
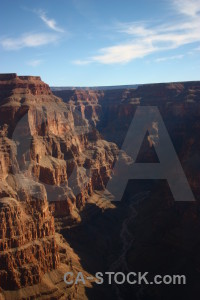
(101, 42)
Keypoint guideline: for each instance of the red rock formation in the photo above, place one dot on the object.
(163, 236)
(179, 106)
(114, 109)
(48, 154)
(86, 102)
(51, 161)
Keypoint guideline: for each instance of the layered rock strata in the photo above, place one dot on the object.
(51, 160)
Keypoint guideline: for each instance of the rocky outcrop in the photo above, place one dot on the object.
(51, 160)
(85, 102)
(27, 244)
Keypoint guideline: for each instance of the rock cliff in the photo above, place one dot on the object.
(159, 235)
(114, 109)
(54, 164)
(178, 103)
(51, 160)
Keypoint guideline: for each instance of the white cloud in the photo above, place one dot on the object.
(134, 29)
(187, 7)
(124, 53)
(160, 59)
(28, 40)
(81, 62)
(145, 39)
(51, 23)
(34, 62)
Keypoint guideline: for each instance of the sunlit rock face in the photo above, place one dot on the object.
(51, 160)
(53, 156)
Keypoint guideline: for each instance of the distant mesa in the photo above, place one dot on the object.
(10, 76)
(12, 84)
(99, 88)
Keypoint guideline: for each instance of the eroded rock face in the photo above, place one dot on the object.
(178, 103)
(27, 244)
(165, 233)
(86, 102)
(114, 109)
(51, 160)
(28, 248)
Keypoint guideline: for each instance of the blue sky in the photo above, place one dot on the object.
(90, 42)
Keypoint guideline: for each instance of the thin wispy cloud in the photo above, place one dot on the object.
(145, 39)
(124, 53)
(50, 23)
(34, 62)
(194, 51)
(197, 49)
(174, 57)
(28, 40)
(137, 29)
(188, 7)
(81, 62)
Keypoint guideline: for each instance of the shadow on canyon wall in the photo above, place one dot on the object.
(163, 237)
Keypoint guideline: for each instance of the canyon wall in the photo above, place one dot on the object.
(51, 161)
(160, 235)
(56, 151)
(113, 110)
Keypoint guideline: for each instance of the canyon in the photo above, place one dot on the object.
(51, 162)
(163, 233)
(58, 149)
